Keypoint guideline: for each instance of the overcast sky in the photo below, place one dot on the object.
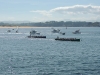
(49, 10)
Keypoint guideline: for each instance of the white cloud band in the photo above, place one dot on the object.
(82, 9)
(80, 12)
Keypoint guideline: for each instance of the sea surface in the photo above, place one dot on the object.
(20, 55)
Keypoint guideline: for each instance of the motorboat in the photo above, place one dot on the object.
(33, 32)
(77, 32)
(62, 33)
(8, 30)
(55, 30)
(17, 29)
(13, 30)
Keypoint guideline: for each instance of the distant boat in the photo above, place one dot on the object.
(17, 29)
(77, 32)
(8, 30)
(67, 39)
(35, 34)
(62, 33)
(55, 30)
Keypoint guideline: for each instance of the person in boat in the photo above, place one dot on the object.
(57, 37)
(30, 33)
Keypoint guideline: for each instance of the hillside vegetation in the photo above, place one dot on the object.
(54, 24)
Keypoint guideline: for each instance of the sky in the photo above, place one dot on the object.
(50, 10)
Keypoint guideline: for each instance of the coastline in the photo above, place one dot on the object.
(16, 27)
(21, 27)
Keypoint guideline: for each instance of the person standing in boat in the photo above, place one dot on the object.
(57, 37)
(30, 33)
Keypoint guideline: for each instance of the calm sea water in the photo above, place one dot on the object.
(20, 55)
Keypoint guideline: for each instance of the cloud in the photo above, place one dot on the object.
(43, 12)
(78, 9)
(75, 12)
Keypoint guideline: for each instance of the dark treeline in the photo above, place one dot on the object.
(55, 24)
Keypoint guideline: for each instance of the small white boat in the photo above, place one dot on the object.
(77, 32)
(33, 32)
(62, 33)
(8, 30)
(17, 29)
(55, 30)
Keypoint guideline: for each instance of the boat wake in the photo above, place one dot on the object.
(84, 33)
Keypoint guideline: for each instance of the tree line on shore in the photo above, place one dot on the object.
(54, 24)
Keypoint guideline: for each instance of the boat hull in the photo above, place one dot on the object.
(36, 36)
(76, 32)
(67, 39)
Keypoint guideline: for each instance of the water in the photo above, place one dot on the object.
(20, 55)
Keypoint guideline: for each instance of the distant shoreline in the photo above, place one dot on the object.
(22, 27)
(16, 27)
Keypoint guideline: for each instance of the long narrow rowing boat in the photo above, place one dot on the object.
(36, 36)
(67, 39)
